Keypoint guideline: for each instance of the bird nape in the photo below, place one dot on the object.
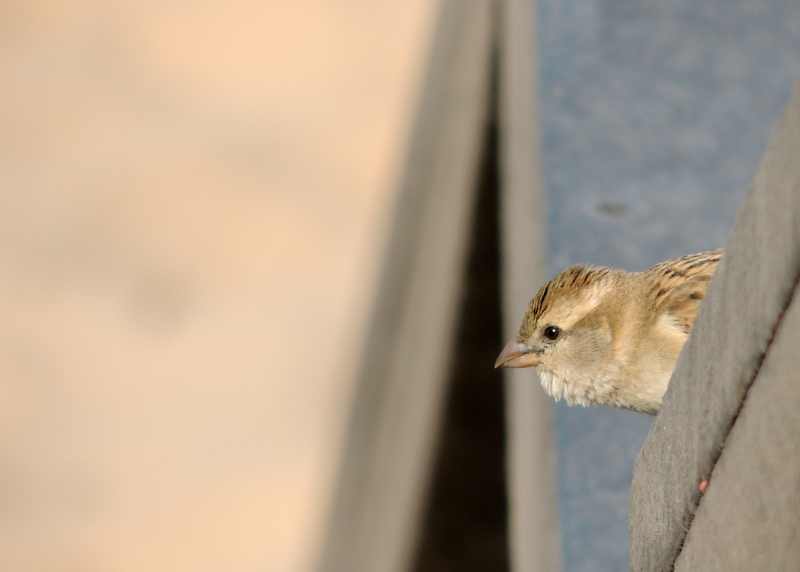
(604, 336)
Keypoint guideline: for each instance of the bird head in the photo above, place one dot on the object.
(597, 335)
(567, 336)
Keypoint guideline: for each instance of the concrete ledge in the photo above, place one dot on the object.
(748, 518)
(531, 467)
(385, 466)
(719, 419)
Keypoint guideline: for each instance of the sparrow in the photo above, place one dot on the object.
(605, 336)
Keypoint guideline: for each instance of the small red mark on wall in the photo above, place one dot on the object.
(702, 486)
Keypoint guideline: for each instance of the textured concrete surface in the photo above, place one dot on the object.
(749, 517)
(718, 371)
(192, 206)
(654, 115)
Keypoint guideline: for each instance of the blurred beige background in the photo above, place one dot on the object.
(194, 198)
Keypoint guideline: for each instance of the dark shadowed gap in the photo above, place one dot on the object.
(464, 522)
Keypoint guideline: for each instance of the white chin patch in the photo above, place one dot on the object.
(556, 388)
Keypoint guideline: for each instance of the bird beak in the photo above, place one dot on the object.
(516, 354)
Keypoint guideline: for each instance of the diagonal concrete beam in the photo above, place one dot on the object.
(531, 469)
(384, 469)
(708, 420)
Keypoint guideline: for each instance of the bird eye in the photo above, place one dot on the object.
(552, 332)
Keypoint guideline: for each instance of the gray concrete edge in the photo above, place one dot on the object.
(747, 519)
(531, 466)
(384, 467)
(722, 358)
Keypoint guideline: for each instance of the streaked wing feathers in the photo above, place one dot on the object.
(679, 285)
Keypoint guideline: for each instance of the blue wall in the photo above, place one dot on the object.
(654, 115)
